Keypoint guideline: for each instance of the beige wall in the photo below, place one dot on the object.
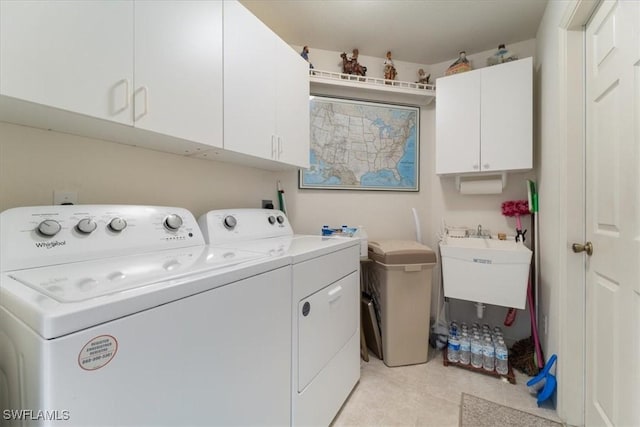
(387, 215)
(35, 162)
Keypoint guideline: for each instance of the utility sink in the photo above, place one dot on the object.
(486, 270)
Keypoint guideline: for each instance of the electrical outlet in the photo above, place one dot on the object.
(64, 197)
(267, 204)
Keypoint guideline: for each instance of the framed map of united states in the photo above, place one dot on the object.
(357, 145)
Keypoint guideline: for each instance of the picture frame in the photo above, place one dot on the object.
(362, 145)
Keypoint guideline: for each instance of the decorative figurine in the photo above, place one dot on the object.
(351, 66)
(389, 70)
(423, 78)
(305, 55)
(501, 55)
(460, 66)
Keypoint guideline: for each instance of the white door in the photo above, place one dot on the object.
(249, 83)
(613, 215)
(506, 122)
(178, 69)
(292, 127)
(72, 55)
(458, 123)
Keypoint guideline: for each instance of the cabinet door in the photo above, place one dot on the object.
(73, 55)
(507, 108)
(458, 123)
(292, 107)
(249, 83)
(178, 69)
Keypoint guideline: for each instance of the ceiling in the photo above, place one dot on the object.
(419, 31)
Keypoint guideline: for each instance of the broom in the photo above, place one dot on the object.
(518, 208)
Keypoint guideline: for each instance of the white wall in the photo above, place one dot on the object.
(387, 215)
(35, 162)
(559, 71)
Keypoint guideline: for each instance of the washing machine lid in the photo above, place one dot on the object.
(61, 299)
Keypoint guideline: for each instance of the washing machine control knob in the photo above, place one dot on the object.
(86, 226)
(230, 222)
(280, 219)
(272, 219)
(117, 224)
(173, 222)
(49, 227)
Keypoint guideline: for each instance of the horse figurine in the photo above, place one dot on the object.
(351, 66)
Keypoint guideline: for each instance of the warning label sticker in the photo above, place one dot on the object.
(97, 352)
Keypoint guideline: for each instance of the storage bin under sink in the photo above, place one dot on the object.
(486, 270)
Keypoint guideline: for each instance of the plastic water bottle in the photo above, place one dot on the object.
(453, 350)
(465, 349)
(488, 354)
(476, 351)
(502, 357)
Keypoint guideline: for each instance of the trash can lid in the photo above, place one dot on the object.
(401, 252)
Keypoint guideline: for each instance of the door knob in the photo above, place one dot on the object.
(587, 247)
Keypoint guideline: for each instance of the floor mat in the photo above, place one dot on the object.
(476, 412)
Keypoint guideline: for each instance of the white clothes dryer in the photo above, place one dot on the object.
(325, 310)
(121, 315)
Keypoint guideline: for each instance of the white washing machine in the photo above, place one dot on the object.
(325, 310)
(121, 315)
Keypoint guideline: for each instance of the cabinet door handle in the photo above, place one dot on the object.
(126, 95)
(279, 146)
(485, 166)
(475, 166)
(146, 101)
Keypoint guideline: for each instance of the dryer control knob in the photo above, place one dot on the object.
(86, 226)
(280, 219)
(230, 222)
(272, 219)
(117, 224)
(49, 227)
(173, 222)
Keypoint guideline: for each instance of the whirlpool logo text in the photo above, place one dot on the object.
(51, 245)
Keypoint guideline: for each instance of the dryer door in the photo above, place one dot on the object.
(327, 320)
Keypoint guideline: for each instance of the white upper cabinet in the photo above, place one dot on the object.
(249, 83)
(266, 91)
(507, 116)
(178, 69)
(458, 123)
(484, 120)
(186, 77)
(72, 55)
(292, 106)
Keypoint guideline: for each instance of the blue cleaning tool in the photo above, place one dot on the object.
(545, 382)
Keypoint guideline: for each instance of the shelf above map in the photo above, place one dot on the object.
(370, 88)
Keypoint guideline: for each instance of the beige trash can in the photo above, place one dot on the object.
(402, 284)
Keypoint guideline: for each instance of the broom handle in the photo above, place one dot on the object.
(534, 326)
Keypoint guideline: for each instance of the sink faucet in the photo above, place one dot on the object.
(479, 231)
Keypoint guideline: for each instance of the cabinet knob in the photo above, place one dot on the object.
(475, 167)
(485, 166)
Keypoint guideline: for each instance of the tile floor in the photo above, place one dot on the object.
(427, 395)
